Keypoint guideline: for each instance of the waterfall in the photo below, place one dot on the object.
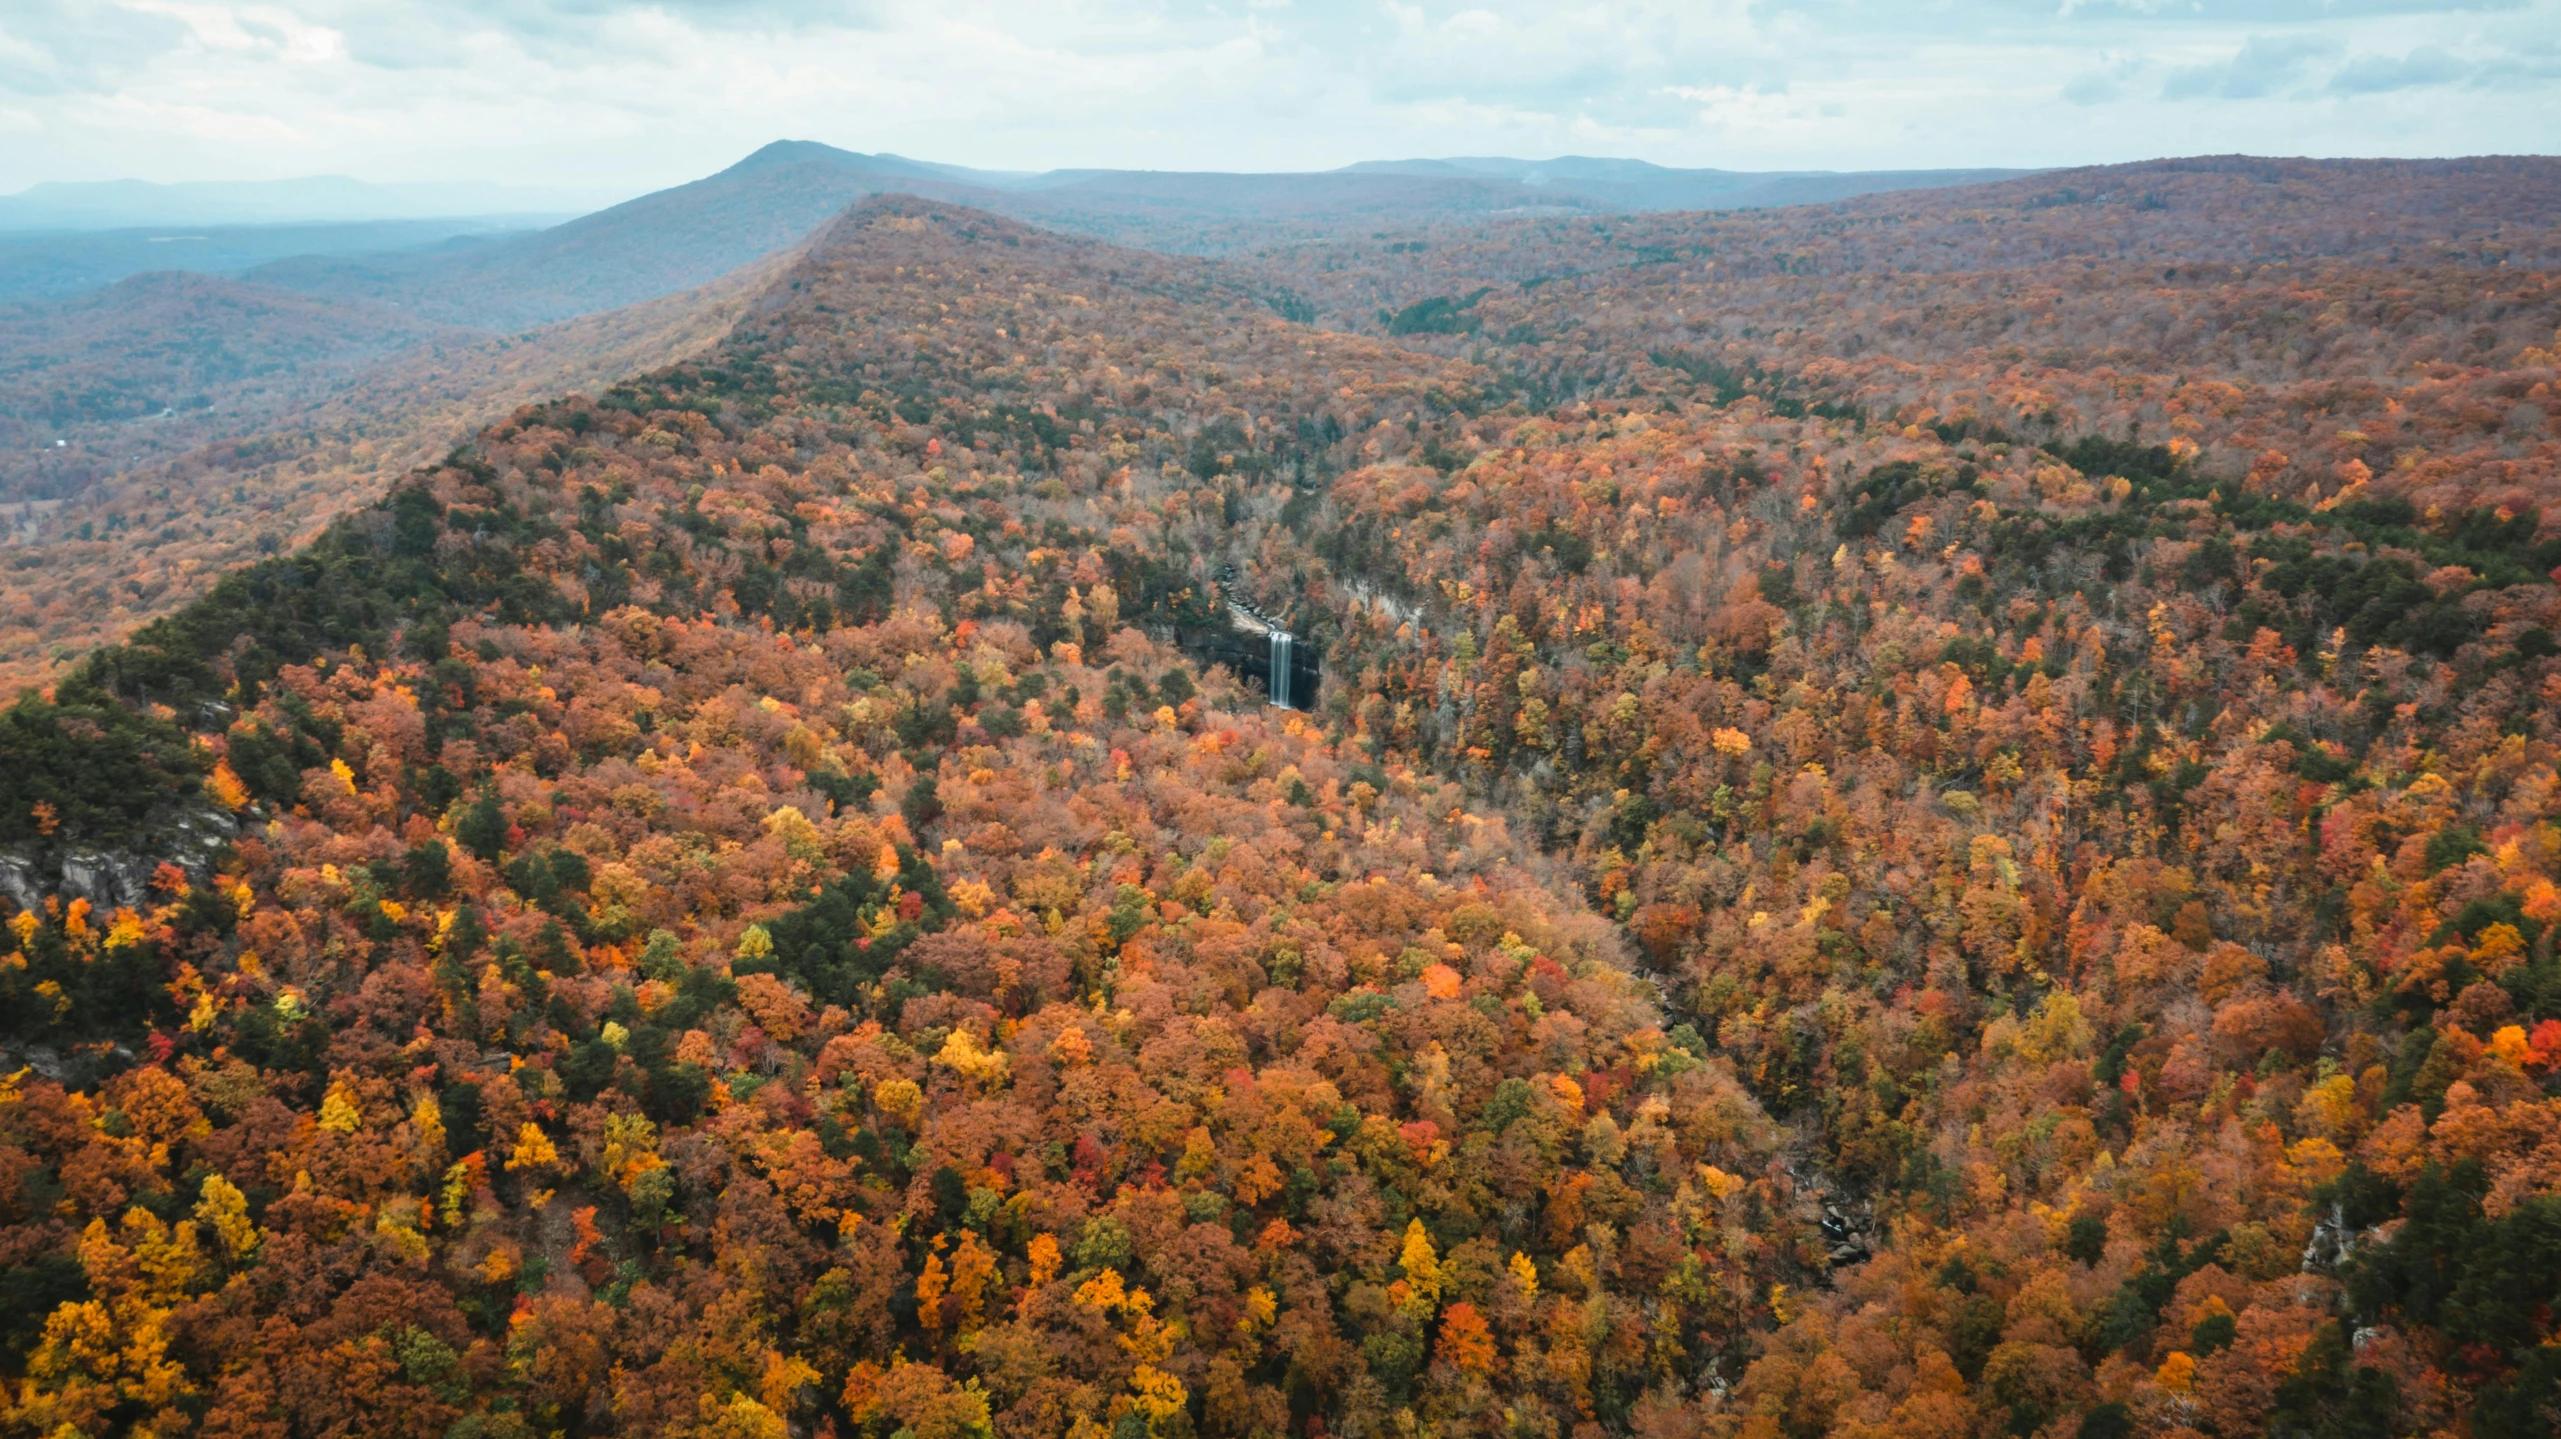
(1280, 669)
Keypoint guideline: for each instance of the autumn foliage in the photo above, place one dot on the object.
(1803, 906)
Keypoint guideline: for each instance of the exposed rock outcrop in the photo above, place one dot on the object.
(191, 839)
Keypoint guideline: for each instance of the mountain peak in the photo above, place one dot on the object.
(783, 153)
(795, 152)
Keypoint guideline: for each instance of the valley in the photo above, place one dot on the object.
(1934, 813)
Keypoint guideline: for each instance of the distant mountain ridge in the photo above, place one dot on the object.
(161, 362)
(692, 233)
(1642, 185)
(101, 391)
(55, 264)
(530, 269)
(660, 243)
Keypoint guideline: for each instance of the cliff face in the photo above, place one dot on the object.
(191, 838)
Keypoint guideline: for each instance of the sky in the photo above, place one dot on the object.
(633, 96)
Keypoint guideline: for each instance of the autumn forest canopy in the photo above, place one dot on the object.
(1938, 815)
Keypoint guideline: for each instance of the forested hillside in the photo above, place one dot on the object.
(142, 542)
(1878, 852)
(158, 364)
(188, 421)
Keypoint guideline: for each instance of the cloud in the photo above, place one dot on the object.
(554, 18)
(2377, 74)
(2528, 66)
(2103, 83)
(52, 48)
(1606, 61)
(2285, 12)
(2265, 65)
(653, 92)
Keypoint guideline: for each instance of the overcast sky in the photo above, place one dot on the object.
(638, 95)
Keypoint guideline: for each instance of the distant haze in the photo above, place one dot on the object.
(133, 342)
(119, 204)
(480, 269)
(1591, 182)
